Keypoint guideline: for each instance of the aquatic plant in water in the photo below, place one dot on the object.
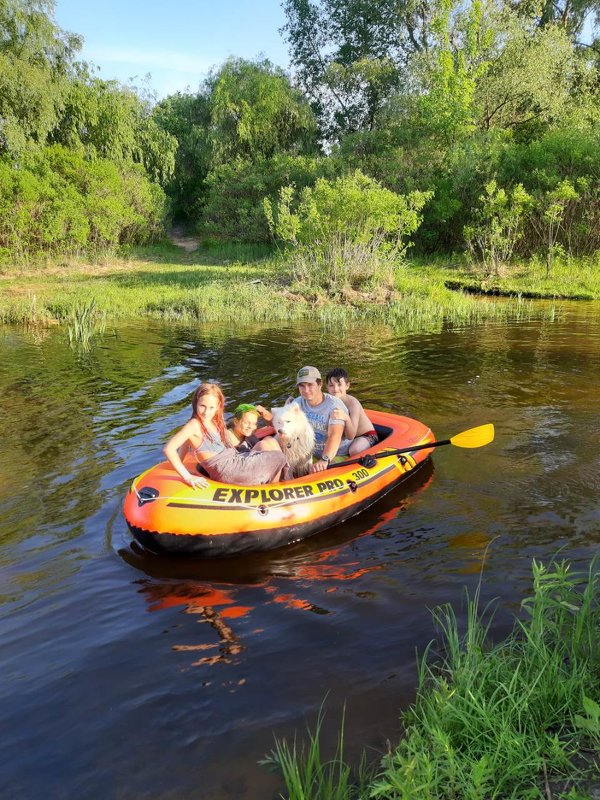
(85, 322)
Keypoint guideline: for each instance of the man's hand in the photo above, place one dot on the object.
(319, 466)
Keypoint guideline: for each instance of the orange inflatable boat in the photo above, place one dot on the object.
(166, 515)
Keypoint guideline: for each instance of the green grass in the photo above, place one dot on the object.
(233, 282)
(309, 775)
(577, 279)
(517, 719)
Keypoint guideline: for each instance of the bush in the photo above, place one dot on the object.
(456, 175)
(348, 232)
(498, 226)
(235, 192)
(59, 203)
(563, 167)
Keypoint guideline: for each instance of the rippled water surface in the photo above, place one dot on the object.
(126, 675)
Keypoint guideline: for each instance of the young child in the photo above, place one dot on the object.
(244, 423)
(206, 436)
(359, 427)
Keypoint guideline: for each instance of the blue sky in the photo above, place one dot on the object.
(176, 42)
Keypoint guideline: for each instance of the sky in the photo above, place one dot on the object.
(176, 42)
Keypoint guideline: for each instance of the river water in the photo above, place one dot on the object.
(127, 675)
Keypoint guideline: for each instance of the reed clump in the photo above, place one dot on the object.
(85, 322)
(516, 719)
(308, 774)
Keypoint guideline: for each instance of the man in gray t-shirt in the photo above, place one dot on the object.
(319, 408)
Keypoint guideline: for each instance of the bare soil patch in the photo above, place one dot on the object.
(181, 238)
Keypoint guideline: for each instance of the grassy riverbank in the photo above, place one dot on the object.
(517, 719)
(246, 283)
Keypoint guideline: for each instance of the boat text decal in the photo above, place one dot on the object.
(275, 495)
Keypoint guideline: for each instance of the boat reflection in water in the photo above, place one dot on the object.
(210, 589)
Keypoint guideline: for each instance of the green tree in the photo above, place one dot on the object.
(528, 80)
(245, 116)
(255, 113)
(235, 191)
(570, 15)
(349, 55)
(60, 202)
(186, 117)
(112, 121)
(36, 62)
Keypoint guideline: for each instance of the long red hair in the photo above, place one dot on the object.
(218, 419)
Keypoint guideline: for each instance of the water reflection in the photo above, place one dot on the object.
(203, 601)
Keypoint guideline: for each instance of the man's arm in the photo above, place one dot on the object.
(331, 446)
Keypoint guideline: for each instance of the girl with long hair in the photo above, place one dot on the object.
(205, 434)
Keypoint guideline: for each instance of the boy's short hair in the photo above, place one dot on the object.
(337, 373)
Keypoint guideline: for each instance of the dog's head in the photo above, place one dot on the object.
(288, 420)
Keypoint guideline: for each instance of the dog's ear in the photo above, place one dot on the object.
(289, 401)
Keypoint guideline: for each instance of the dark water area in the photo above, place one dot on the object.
(128, 675)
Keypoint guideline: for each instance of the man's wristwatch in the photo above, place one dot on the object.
(325, 458)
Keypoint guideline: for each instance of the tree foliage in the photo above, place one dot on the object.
(36, 62)
(246, 113)
(236, 190)
(111, 121)
(68, 141)
(570, 15)
(186, 117)
(256, 113)
(58, 202)
(348, 54)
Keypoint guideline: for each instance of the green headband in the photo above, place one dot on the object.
(243, 408)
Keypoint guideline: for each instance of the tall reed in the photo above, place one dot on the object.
(85, 321)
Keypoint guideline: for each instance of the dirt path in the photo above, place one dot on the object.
(182, 239)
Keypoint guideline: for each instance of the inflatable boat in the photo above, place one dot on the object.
(167, 515)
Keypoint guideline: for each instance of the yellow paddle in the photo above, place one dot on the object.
(474, 437)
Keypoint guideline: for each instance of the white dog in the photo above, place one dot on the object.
(296, 437)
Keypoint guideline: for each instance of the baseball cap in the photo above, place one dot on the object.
(308, 375)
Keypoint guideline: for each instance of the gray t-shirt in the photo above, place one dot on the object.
(319, 418)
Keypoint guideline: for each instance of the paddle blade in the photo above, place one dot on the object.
(474, 437)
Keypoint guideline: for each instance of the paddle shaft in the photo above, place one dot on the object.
(385, 453)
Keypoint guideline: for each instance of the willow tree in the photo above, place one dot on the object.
(36, 64)
(186, 117)
(255, 112)
(245, 115)
(108, 120)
